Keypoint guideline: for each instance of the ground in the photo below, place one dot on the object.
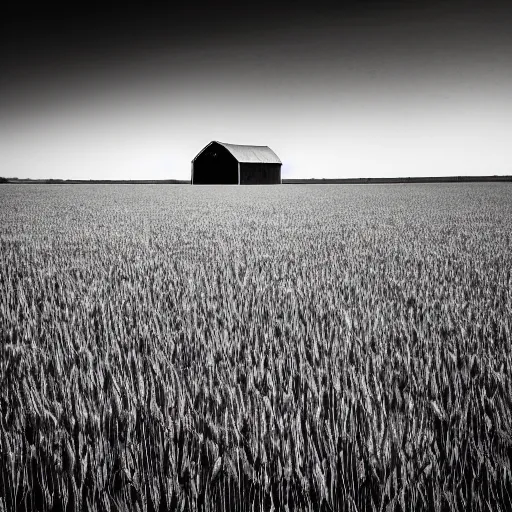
(301, 346)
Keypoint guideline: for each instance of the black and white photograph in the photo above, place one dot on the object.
(256, 257)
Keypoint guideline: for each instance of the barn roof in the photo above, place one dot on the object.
(249, 154)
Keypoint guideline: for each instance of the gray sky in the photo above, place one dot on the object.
(362, 92)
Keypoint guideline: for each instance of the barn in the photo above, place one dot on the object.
(235, 164)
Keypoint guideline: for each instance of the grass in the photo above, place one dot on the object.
(296, 348)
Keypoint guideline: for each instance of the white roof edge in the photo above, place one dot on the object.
(209, 144)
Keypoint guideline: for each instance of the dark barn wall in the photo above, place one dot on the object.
(215, 166)
(260, 174)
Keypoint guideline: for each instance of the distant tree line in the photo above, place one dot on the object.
(414, 179)
(54, 181)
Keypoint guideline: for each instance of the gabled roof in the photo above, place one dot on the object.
(248, 154)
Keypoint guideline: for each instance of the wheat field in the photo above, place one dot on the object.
(315, 347)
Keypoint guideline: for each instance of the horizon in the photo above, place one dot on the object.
(357, 90)
(503, 178)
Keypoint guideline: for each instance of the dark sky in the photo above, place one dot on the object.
(345, 89)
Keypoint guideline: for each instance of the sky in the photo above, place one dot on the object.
(351, 89)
